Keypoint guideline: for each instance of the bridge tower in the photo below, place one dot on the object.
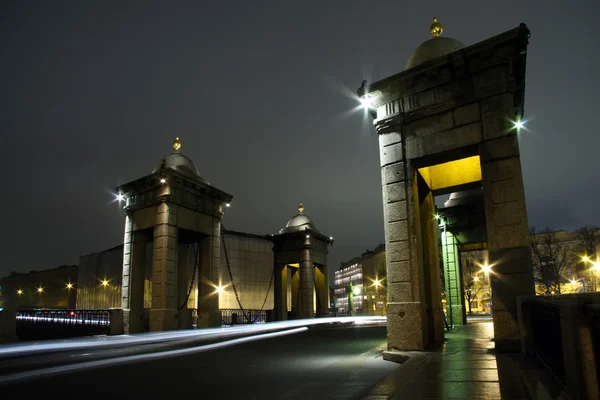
(301, 269)
(171, 207)
(450, 122)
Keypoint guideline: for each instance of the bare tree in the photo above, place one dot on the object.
(587, 243)
(550, 259)
(469, 272)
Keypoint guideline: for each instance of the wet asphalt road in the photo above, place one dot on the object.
(333, 362)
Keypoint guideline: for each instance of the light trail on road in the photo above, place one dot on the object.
(107, 342)
(48, 372)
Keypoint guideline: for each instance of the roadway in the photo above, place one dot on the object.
(341, 361)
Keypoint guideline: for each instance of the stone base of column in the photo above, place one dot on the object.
(405, 327)
(133, 322)
(507, 336)
(209, 319)
(8, 327)
(117, 321)
(185, 319)
(457, 315)
(163, 320)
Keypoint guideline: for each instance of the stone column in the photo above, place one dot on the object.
(134, 269)
(280, 292)
(8, 317)
(507, 226)
(306, 306)
(409, 242)
(163, 315)
(322, 291)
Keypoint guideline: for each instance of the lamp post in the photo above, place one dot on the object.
(595, 268)
(486, 270)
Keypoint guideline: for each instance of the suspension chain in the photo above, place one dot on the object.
(267, 295)
(237, 297)
(196, 262)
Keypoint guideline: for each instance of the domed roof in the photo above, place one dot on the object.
(464, 197)
(298, 222)
(178, 162)
(433, 48)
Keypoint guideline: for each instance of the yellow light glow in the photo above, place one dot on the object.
(105, 283)
(163, 180)
(453, 173)
(486, 268)
(597, 266)
(69, 285)
(585, 259)
(573, 282)
(475, 279)
(377, 282)
(220, 289)
(40, 289)
(19, 292)
(519, 124)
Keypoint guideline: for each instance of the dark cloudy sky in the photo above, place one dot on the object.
(92, 94)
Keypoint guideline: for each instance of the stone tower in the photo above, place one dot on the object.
(301, 268)
(450, 122)
(168, 208)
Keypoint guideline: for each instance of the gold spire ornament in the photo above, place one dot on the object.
(177, 144)
(436, 28)
(301, 208)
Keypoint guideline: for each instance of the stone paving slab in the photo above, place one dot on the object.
(465, 368)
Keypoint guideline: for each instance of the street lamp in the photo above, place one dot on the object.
(595, 268)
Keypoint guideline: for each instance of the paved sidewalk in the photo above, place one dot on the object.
(467, 368)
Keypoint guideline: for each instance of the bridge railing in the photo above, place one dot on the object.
(51, 323)
(231, 316)
(563, 332)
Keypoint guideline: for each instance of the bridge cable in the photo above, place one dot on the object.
(237, 297)
(196, 262)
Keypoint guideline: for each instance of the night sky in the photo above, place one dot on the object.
(93, 93)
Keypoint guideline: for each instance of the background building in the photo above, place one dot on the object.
(51, 288)
(367, 274)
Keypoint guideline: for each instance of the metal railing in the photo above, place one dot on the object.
(231, 316)
(547, 334)
(593, 312)
(35, 324)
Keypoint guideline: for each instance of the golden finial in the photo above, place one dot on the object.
(177, 144)
(301, 208)
(436, 28)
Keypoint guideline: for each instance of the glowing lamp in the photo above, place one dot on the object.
(519, 124)
(120, 197)
(227, 205)
(585, 259)
(163, 180)
(475, 279)
(377, 282)
(220, 289)
(307, 236)
(356, 290)
(40, 289)
(105, 283)
(19, 292)
(486, 268)
(69, 286)
(573, 282)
